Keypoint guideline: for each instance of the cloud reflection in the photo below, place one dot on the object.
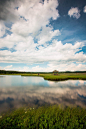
(65, 93)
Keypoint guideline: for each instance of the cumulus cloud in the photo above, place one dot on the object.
(47, 34)
(28, 16)
(29, 21)
(34, 15)
(8, 41)
(8, 11)
(32, 10)
(74, 12)
(60, 67)
(9, 67)
(84, 10)
(58, 55)
(2, 29)
(49, 68)
(26, 44)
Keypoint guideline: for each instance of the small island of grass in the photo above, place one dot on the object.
(60, 76)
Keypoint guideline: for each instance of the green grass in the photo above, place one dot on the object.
(11, 74)
(60, 77)
(45, 117)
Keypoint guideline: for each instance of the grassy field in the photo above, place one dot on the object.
(60, 76)
(45, 117)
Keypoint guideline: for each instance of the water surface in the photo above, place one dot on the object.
(18, 91)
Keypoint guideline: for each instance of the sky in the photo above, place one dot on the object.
(43, 35)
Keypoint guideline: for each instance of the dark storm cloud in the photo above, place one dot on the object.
(7, 12)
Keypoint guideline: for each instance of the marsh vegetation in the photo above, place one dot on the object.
(60, 76)
(45, 117)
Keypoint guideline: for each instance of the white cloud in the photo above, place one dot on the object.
(47, 34)
(55, 53)
(30, 21)
(1, 68)
(10, 40)
(37, 15)
(74, 12)
(9, 67)
(32, 10)
(29, 17)
(2, 29)
(49, 68)
(26, 44)
(84, 10)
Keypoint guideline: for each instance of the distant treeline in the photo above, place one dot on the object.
(73, 72)
(18, 72)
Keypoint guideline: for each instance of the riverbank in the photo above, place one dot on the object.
(60, 77)
(46, 117)
(52, 77)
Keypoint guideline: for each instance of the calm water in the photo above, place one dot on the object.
(17, 91)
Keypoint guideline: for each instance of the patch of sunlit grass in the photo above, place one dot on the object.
(60, 76)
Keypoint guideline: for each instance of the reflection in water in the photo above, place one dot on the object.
(17, 91)
(11, 81)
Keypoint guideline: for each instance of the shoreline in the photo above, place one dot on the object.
(59, 77)
(51, 77)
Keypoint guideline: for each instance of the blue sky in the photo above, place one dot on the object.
(43, 35)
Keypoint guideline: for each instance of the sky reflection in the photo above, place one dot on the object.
(37, 91)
